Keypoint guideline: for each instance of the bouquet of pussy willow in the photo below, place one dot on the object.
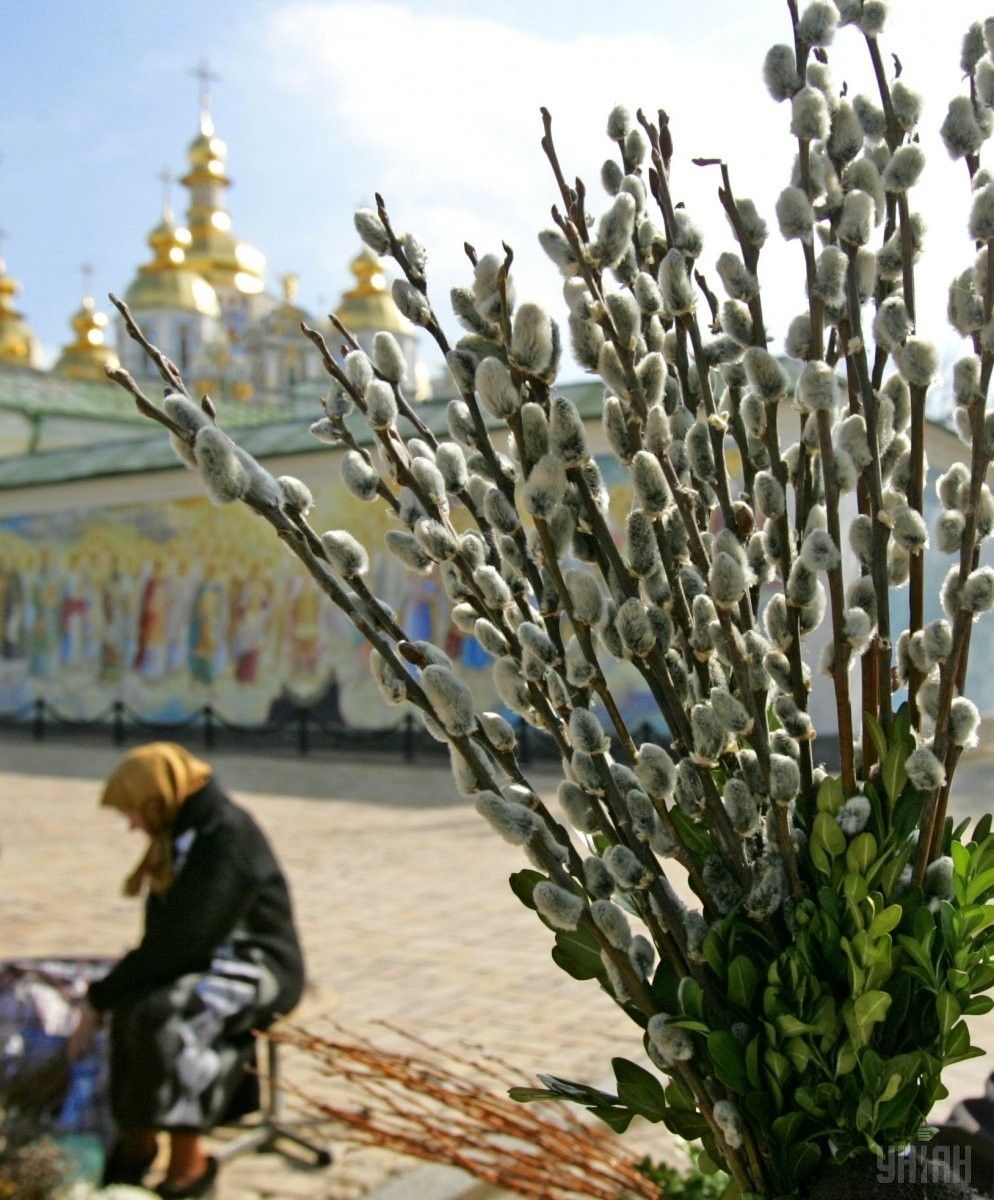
(799, 1012)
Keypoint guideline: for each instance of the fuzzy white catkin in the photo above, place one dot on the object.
(223, 473)
(411, 302)
(904, 168)
(545, 487)
(381, 405)
(627, 871)
(738, 282)
(649, 482)
(567, 436)
(515, 823)
(830, 275)
(372, 230)
(817, 387)
(925, 771)
(891, 324)
(634, 628)
(982, 214)
(856, 222)
(819, 552)
(675, 285)
(643, 554)
(388, 358)
(586, 597)
(964, 722)
(918, 362)
(809, 114)
(846, 138)
(577, 806)
(817, 23)
(614, 231)
(346, 554)
(437, 541)
(655, 771)
(496, 388)
(769, 494)
(780, 72)
(183, 412)
(794, 214)
(359, 475)
(672, 1043)
(853, 815)
(785, 778)
(907, 105)
(451, 461)
(765, 374)
(977, 593)
(562, 909)
(960, 131)
(611, 921)
(532, 339)
(450, 698)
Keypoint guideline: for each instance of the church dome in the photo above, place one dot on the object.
(167, 281)
(285, 319)
(368, 306)
(214, 251)
(88, 355)
(18, 345)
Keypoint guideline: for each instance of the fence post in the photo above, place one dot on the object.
(408, 737)
(118, 724)
(303, 731)
(38, 723)
(526, 752)
(209, 736)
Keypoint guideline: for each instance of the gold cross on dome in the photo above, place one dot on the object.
(205, 77)
(166, 178)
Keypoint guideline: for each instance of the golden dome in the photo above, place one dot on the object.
(168, 281)
(18, 345)
(369, 306)
(214, 251)
(88, 355)
(284, 321)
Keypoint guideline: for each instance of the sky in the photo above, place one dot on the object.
(434, 103)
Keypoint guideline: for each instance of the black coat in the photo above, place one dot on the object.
(230, 891)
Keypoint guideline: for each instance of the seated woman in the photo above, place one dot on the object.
(219, 957)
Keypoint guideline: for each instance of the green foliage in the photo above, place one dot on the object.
(703, 1180)
(831, 1034)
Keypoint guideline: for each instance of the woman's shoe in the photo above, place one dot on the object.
(119, 1168)
(200, 1189)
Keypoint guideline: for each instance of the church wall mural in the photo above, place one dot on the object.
(170, 606)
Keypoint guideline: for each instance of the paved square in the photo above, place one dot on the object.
(402, 901)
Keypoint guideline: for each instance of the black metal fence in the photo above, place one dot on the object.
(297, 729)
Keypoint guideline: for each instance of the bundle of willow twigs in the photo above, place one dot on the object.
(440, 1105)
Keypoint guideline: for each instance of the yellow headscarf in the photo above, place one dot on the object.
(153, 782)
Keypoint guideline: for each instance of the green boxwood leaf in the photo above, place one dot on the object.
(523, 884)
(743, 979)
(639, 1089)
(885, 921)
(947, 1009)
(576, 953)
(982, 883)
(617, 1118)
(892, 771)
(879, 738)
(861, 853)
(787, 1129)
(729, 1060)
(869, 1009)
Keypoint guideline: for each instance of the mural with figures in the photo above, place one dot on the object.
(170, 606)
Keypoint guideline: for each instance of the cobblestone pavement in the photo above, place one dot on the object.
(402, 901)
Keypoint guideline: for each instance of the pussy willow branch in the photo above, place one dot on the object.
(551, 1152)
